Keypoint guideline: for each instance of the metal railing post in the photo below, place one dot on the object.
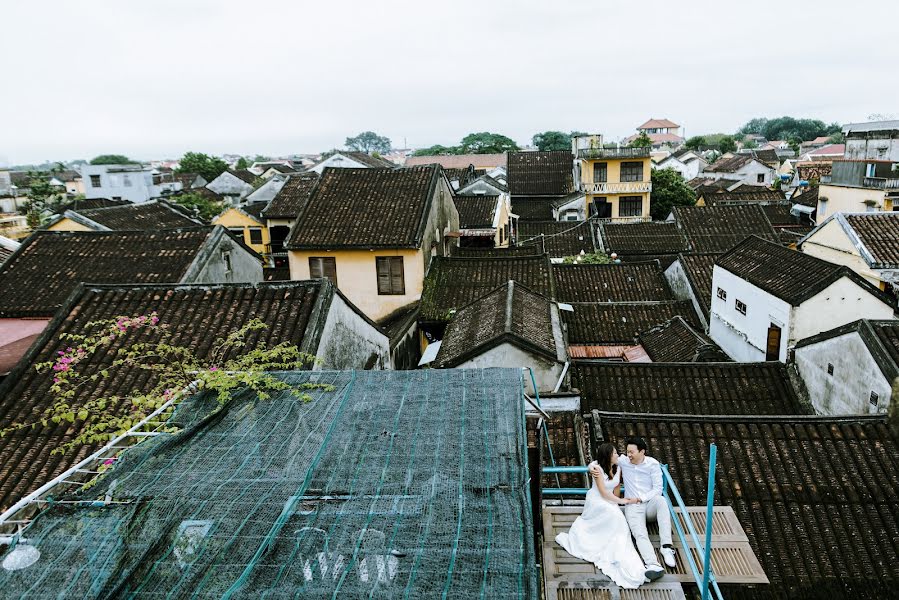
(707, 558)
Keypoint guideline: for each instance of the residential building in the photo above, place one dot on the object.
(352, 160)
(270, 171)
(662, 132)
(484, 221)
(153, 215)
(688, 163)
(245, 221)
(867, 243)
(859, 185)
(851, 370)
(676, 340)
(828, 152)
(374, 232)
(743, 194)
(14, 226)
(483, 184)
(461, 161)
(617, 181)
(268, 190)
(876, 140)
(233, 185)
(282, 211)
(190, 181)
(508, 327)
(745, 168)
(132, 182)
(767, 298)
(7, 247)
(690, 278)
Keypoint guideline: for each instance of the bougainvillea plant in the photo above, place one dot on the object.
(171, 370)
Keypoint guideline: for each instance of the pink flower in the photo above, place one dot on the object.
(109, 461)
(213, 368)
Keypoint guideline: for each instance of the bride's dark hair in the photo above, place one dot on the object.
(604, 459)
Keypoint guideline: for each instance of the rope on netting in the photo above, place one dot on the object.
(452, 564)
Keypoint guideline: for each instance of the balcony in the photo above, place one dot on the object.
(878, 183)
(628, 187)
(891, 184)
(612, 153)
(616, 220)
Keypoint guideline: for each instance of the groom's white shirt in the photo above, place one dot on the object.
(643, 481)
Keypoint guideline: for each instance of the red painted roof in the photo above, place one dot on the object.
(657, 123)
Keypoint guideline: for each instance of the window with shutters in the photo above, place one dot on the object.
(323, 267)
(630, 206)
(631, 171)
(600, 172)
(391, 279)
(256, 235)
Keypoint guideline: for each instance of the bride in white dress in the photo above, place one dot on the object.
(601, 534)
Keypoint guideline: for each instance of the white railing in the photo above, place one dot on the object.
(628, 187)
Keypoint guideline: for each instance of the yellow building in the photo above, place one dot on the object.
(616, 181)
(247, 223)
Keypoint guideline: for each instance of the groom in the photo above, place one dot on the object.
(642, 477)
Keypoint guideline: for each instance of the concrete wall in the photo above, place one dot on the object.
(235, 219)
(680, 287)
(840, 303)
(883, 148)
(855, 376)
(132, 185)
(210, 267)
(841, 198)
(831, 243)
(546, 372)
(349, 341)
(442, 218)
(230, 185)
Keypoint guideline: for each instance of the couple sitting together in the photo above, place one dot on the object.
(602, 534)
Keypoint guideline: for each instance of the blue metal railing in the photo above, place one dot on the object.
(705, 579)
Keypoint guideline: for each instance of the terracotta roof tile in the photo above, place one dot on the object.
(541, 173)
(619, 323)
(719, 228)
(147, 216)
(559, 238)
(476, 212)
(632, 282)
(292, 197)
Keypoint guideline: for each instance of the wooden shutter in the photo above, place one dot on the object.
(397, 281)
(315, 268)
(323, 267)
(383, 267)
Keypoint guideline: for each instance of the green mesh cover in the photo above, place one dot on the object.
(397, 484)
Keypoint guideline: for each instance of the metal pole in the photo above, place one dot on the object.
(707, 551)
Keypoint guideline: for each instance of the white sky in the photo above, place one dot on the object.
(152, 79)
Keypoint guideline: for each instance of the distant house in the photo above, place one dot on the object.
(875, 140)
(828, 152)
(282, 211)
(276, 169)
(859, 185)
(687, 162)
(742, 167)
(559, 239)
(460, 178)
(460, 161)
(719, 228)
(132, 182)
(690, 278)
(245, 221)
(851, 369)
(373, 232)
(662, 132)
(153, 215)
(484, 221)
(767, 298)
(867, 243)
(743, 194)
(616, 181)
(483, 184)
(190, 181)
(233, 185)
(352, 160)
(508, 327)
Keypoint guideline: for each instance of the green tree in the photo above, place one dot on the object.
(837, 138)
(368, 142)
(437, 150)
(242, 163)
(750, 144)
(200, 205)
(207, 166)
(485, 142)
(727, 144)
(669, 190)
(784, 128)
(695, 142)
(552, 140)
(642, 141)
(43, 200)
(756, 126)
(111, 159)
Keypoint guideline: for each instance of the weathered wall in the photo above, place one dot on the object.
(680, 287)
(831, 243)
(840, 303)
(350, 342)
(546, 372)
(113, 185)
(442, 219)
(882, 147)
(840, 198)
(227, 184)
(855, 376)
(210, 266)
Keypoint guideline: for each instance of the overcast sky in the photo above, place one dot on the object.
(155, 79)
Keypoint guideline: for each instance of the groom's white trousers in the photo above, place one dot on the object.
(637, 516)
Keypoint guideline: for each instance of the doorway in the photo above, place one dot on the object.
(772, 350)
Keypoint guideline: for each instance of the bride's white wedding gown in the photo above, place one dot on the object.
(601, 536)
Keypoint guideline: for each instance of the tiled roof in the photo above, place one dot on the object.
(292, 197)
(830, 149)
(464, 176)
(617, 323)
(531, 250)
(790, 275)
(371, 208)
(658, 124)
(509, 314)
(768, 156)
(254, 209)
(808, 198)
(458, 161)
(689, 389)
(879, 233)
(677, 341)
(370, 161)
(49, 265)
(451, 283)
(790, 482)
(533, 209)
(276, 274)
(4, 254)
(244, 175)
(476, 212)
(632, 282)
(567, 439)
(560, 238)
(540, 173)
(195, 315)
(779, 214)
(698, 269)
(146, 216)
(631, 239)
(90, 203)
(719, 228)
(729, 165)
(740, 195)
(280, 168)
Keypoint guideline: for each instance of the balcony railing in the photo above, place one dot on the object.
(640, 219)
(878, 183)
(891, 184)
(612, 153)
(624, 187)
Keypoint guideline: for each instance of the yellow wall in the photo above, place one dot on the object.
(233, 218)
(849, 199)
(502, 222)
(831, 243)
(613, 175)
(357, 277)
(67, 224)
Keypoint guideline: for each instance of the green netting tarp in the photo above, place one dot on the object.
(396, 484)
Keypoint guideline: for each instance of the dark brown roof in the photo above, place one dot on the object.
(369, 208)
(464, 176)
(186, 179)
(532, 209)
(617, 323)
(741, 195)
(90, 203)
(244, 175)
(567, 440)
(790, 483)
(720, 228)
(147, 216)
(509, 314)
(559, 238)
(4, 253)
(276, 274)
(790, 275)
(779, 214)
(451, 283)
(279, 168)
(373, 162)
(49, 265)
(530, 250)
(195, 315)
(807, 198)
(540, 173)
(729, 165)
(634, 239)
(476, 212)
(677, 341)
(769, 157)
(292, 197)
(698, 269)
(254, 209)
(687, 388)
(879, 233)
(632, 282)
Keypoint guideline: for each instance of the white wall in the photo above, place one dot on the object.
(348, 341)
(546, 372)
(228, 184)
(682, 290)
(339, 161)
(842, 302)
(112, 185)
(855, 376)
(210, 265)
